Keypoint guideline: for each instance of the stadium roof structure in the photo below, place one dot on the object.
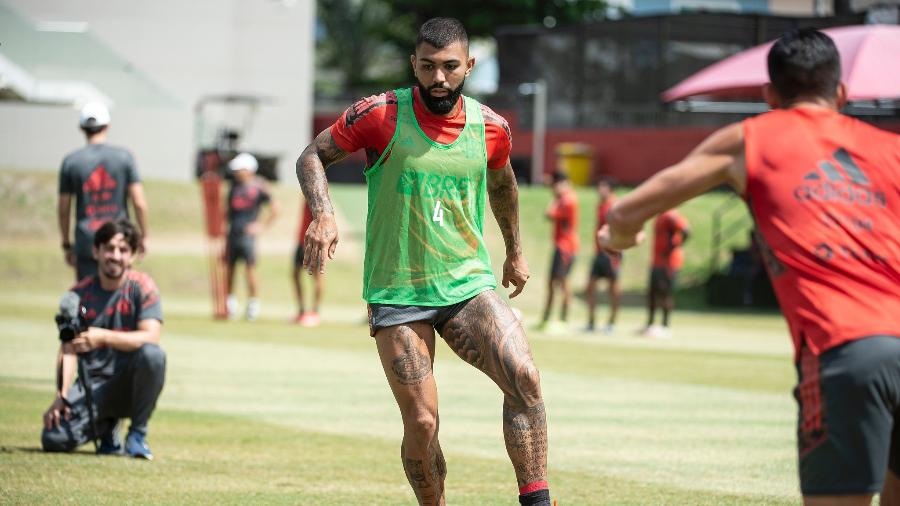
(64, 64)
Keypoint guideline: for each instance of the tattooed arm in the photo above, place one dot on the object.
(322, 235)
(504, 196)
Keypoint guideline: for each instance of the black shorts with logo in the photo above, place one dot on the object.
(849, 406)
(663, 280)
(388, 315)
(561, 264)
(605, 266)
(240, 247)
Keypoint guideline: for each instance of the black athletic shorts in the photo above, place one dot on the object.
(298, 256)
(605, 266)
(561, 264)
(388, 315)
(849, 406)
(240, 247)
(663, 280)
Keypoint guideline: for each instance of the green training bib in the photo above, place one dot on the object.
(424, 228)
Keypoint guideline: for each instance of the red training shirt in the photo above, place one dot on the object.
(305, 220)
(564, 212)
(668, 236)
(370, 124)
(824, 189)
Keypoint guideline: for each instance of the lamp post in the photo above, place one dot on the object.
(538, 90)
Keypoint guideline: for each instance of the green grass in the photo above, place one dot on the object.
(266, 412)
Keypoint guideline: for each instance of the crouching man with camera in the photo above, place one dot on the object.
(109, 331)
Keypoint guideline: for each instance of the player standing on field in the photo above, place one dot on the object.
(605, 266)
(670, 230)
(101, 178)
(433, 156)
(563, 212)
(824, 190)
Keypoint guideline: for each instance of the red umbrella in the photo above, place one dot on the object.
(870, 64)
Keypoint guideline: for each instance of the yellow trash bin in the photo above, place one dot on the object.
(576, 160)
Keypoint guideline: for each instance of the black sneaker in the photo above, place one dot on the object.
(109, 444)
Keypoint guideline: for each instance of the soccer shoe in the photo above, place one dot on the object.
(298, 319)
(252, 309)
(109, 444)
(657, 332)
(310, 319)
(231, 306)
(608, 330)
(588, 329)
(136, 446)
(663, 333)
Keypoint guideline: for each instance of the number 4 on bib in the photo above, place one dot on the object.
(438, 213)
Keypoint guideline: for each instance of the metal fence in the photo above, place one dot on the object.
(611, 73)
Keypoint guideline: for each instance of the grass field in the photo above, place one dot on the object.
(266, 412)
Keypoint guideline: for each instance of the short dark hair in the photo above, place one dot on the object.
(804, 62)
(93, 130)
(121, 226)
(559, 176)
(441, 32)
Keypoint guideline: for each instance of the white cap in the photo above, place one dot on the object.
(94, 114)
(243, 161)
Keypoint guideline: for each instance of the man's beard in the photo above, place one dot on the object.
(440, 105)
(113, 271)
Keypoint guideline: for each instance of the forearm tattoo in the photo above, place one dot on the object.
(311, 171)
(503, 192)
(412, 366)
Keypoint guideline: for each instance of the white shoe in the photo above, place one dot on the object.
(252, 309)
(657, 332)
(608, 329)
(231, 306)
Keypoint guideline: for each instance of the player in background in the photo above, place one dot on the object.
(563, 212)
(824, 190)
(247, 195)
(304, 318)
(670, 230)
(606, 264)
(101, 178)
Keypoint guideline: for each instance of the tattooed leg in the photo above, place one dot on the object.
(486, 334)
(407, 354)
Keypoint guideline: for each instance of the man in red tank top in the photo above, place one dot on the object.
(824, 191)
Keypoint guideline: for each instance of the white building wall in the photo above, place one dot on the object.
(190, 49)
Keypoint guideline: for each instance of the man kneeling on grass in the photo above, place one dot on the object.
(119, 351)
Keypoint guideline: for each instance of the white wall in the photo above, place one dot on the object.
(189, 48)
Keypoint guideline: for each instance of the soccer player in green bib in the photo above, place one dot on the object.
(433, 157)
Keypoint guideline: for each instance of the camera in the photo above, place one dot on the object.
(71, 319)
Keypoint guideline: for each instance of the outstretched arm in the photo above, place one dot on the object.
(322, 235)
(717, 160)
(504, 196)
